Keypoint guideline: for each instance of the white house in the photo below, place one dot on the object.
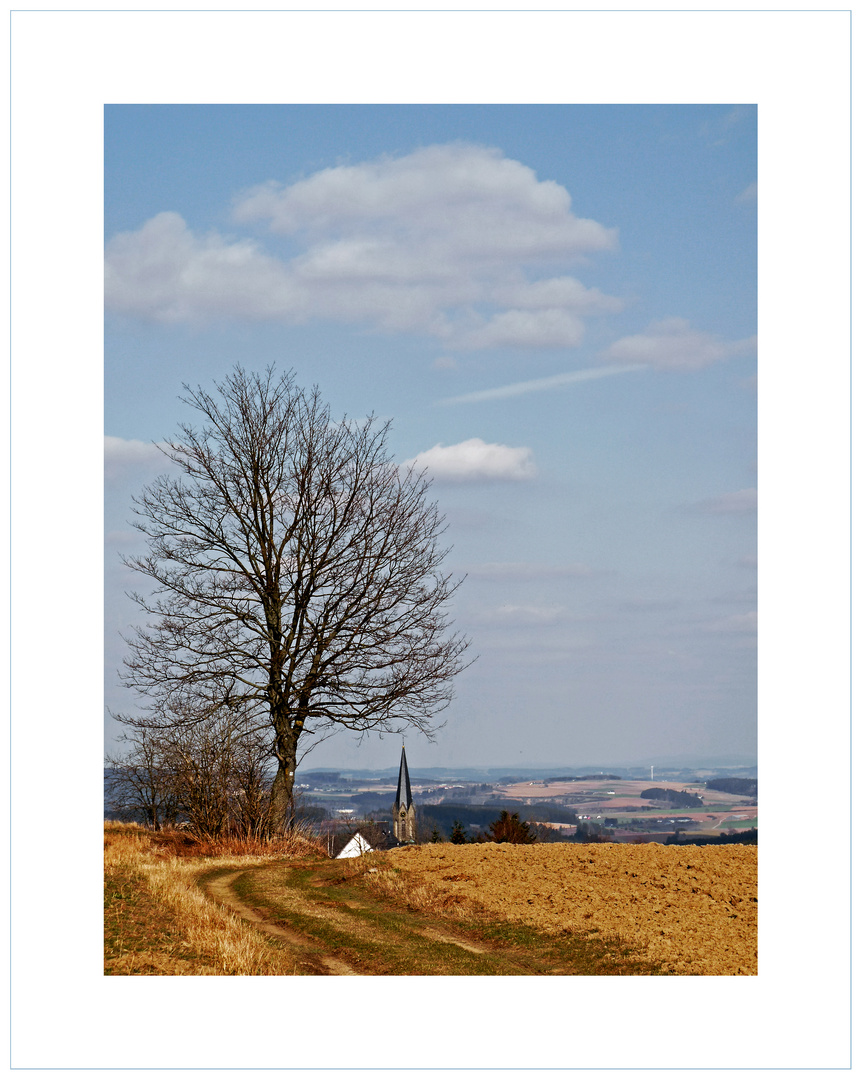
(356, 845)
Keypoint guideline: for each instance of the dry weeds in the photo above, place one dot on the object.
(416, 895)
(205, 927)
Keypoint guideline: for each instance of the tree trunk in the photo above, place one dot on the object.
(281, 806)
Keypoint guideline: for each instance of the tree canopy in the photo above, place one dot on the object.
(509, 829)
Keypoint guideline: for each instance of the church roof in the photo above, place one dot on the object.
(403, 796)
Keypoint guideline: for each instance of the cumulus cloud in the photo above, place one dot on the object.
(673, 345)
(560, 293)
(122, 454)
(542, 328)
(166, 273)
(732, 502)
(469, 198)
(448, 241)
(476, 460)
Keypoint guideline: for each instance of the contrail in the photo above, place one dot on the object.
(536, 385)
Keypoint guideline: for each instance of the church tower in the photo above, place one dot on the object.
(403, 810)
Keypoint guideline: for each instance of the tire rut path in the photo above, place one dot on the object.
(346, 917)
(220, 889)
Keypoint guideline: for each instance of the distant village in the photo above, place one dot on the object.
(357, 811)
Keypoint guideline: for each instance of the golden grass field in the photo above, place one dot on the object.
(172, 908)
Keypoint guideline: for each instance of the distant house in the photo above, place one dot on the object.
(375, 835)
(356, 845)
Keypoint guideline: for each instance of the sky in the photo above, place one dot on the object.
(556, 308)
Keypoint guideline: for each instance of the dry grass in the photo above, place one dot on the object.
(318, 918)
(296, 845)
(406, 891)
(222, 942)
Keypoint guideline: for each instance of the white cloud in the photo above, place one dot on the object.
(748, 195)
(556, 293)
(537, 329)
(720, 130)
(526, 614)
(122, 538)
(475, 460)
(447, 241)
(541, 314)
(122, 454)
(732, 502)
(164, 272)
(532, 386)
(468, 199)
(673, 345)
(525, 571)
(745, 623)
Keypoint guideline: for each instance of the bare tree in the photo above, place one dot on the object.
(212, 774)
(139, 781)
(217, 771)
(251, 783)
(297, 575)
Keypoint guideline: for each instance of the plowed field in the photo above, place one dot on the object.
(693, 910)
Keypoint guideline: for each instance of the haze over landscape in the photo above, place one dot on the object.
(555, 307)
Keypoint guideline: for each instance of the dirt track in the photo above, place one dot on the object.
(220, 889)
(691, 909)
(337, 925)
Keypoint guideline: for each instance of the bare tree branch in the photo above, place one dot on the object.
(296, 573)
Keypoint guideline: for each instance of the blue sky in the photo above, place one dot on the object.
(556, 308)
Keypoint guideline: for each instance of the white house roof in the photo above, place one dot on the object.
(356, 845)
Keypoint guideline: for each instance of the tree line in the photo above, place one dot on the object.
(675, 799)
(735, 785)
(510, 829)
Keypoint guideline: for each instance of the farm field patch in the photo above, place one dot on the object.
(691, 910)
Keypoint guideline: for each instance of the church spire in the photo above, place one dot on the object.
(402, 795)
(403, 811)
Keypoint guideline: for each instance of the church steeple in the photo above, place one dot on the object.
(403, 811)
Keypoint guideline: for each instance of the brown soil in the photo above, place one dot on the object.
(693, 910)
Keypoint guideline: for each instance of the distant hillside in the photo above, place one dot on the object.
(672, 797)
(735, 785)
(745, 836)
(590, 776)
(444, 815)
